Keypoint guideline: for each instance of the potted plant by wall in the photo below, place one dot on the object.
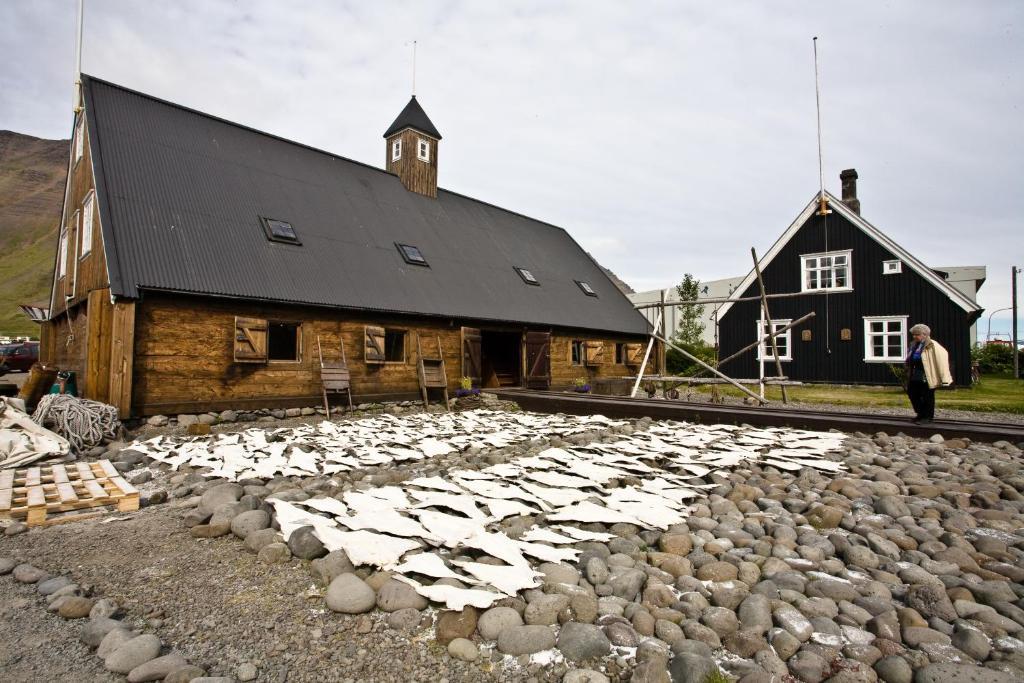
(466, 388)
(580, 385)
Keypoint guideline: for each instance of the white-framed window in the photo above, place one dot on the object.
(62, 254)
(79, 137)
(783, 342)
(87, 218)
(830, 271)
(885, 338)
(423, 149)
(396, 150)
(892, 267)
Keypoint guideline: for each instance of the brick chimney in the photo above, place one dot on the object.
(849, 180)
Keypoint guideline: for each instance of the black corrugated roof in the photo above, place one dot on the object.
(181, 194)
(413, 116)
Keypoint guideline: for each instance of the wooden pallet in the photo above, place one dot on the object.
(35, 492)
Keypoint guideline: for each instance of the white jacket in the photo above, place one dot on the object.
(936, 364)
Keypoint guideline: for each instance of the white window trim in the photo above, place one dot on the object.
(80, 138)
(62, 254)
(88, 224)
(849, 271)
(766, 345)
(868, 319)
(421, 145)
(896, 262)
(396, 150)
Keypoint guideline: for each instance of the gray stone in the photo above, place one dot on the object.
(15, 528)
(720, 620)
(464, 649)
(690, 668)
(96, 629)
(597, 571)
(589, 676)
(131, 654)
(453, 624)
(808, 667)
(621, 635)
(249, 521)
(894, 669)
(51, 586)
(274, 553)
(349, 594)
(930, 600)
(525, 640)
(75, 607)
(495, 620)
(187, 420)
(141, 477)
(627, 584)
(257, 540)
(246, 671)
(792, 620)
(972, 642)
(113, 640)
(544, 609)
(7, 565)
(406, 620)
(755, 613)
(185, 674)
(104, 607)
(157, 669)
(333, 564)
(304, 545)
(579, 642)
(960, 673)
(784, 642)
(559, 573)
(157, 421)
(217, 496)
(395, 595)
(26, 573)
(917, 635)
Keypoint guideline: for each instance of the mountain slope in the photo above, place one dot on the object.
(32, 174)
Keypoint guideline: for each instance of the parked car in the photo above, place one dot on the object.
(18, 357)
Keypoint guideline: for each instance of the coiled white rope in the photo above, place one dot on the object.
(82, 422)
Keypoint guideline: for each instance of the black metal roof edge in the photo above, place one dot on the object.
(110, 247)
(86, 78)
(417, 314)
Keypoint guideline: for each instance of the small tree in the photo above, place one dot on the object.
(691, 323)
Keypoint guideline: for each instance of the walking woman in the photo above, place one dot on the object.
(927, 368)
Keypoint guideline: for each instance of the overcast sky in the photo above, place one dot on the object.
(666, 137)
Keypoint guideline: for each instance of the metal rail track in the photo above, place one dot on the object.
(621, 406)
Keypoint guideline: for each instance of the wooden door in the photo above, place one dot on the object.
(538, 360)
(472, 365)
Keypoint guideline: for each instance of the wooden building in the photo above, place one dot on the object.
(202, 263)
(866, 292)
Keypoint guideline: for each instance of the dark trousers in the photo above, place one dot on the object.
(922, 397)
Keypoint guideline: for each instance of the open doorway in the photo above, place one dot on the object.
(500, 358)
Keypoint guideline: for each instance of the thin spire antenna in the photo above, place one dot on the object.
(817, 102)
(78, 57)
(414, 68)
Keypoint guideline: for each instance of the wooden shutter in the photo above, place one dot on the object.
(374, 345)
(472, 366)
(538, 360)
(634, 354)
(250, 340)
(593, 352)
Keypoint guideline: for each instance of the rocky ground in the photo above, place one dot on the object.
(909, 567)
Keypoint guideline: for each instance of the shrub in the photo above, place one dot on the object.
(994, 359)
(678, 364)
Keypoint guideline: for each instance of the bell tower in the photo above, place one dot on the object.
(411, 150)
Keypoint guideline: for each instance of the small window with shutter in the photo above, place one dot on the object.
(384, 345)
(250, 342)
(593, 353)
(396, 150)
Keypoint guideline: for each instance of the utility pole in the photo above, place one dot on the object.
(1014, 271)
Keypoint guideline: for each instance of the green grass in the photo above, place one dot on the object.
(995, 393)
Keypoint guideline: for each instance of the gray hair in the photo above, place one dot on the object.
(921, 329)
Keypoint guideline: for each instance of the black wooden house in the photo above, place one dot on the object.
(874, 291)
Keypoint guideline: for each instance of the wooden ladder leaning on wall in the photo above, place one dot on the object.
(432, 372)
(334, 376)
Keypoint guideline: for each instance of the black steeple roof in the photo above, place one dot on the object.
(414, 117)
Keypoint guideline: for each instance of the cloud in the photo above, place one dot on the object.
(666, 137)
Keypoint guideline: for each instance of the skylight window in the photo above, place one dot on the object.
(412, 255)
(585, 286)
(280, 231)
(527, 276)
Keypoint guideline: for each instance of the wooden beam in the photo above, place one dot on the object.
(698, 361)
(768, 319)
(726, 300)
(782, 330)
(122, 353)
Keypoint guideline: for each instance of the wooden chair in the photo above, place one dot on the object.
(432, 373)
(334, 377)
